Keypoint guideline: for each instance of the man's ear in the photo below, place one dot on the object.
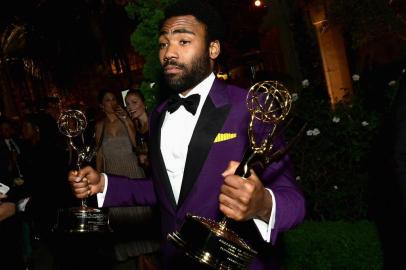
(214, 49)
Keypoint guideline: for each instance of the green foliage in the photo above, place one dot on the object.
(333, 246)
(332, 157)
(149, 92)
(145, 41)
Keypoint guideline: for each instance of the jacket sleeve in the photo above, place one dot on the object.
(289, 199)
(123, 191)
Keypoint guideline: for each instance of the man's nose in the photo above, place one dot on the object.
(170, 53)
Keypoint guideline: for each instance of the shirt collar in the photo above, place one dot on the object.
(203, 89)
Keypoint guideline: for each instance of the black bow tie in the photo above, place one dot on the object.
(190, 103)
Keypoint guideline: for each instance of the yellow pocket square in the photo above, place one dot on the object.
(224, 137)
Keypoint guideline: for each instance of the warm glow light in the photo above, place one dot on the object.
(258, 3)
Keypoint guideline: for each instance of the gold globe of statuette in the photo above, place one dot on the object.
(72, 123)
(269, 101)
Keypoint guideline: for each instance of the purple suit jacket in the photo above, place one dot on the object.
(223, 112)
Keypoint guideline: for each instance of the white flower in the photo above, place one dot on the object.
(305, 83)
(335, 187)
(151, 85)
(295, 96)
(392, 83)
(298, 178)
(403, 70)
(336, 119)
(364, 123)
(355, 77)
(313, 132)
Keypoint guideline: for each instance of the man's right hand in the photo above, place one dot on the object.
(86, 182)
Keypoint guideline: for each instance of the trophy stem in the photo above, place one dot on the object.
(83, 203)
(243, 169)
(244, 172)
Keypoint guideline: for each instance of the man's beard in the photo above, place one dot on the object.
(198, 71)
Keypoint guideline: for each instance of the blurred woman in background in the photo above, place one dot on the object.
(116, 134)
(136, 108)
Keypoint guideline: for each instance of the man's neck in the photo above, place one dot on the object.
(184, 93)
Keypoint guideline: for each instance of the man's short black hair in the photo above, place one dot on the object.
(203, 12)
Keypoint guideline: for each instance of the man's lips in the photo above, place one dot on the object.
(170, 69)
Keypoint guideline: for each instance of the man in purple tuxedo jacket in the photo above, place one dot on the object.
(196, 138)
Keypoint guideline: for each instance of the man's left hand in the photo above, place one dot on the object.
(243, 199)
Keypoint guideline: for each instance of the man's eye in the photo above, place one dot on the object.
(162, 45)
(184, 42)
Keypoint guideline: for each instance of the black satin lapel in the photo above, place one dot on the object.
(156, 156)
(202, 139)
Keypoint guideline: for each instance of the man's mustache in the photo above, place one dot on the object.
(173, 63)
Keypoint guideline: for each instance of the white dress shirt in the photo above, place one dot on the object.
(174, 144)
(174, 147)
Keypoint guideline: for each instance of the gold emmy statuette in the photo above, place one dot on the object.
(82, 219)
(210, 242)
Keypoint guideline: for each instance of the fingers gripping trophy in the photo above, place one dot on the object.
(211, 242)
(82, 219)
